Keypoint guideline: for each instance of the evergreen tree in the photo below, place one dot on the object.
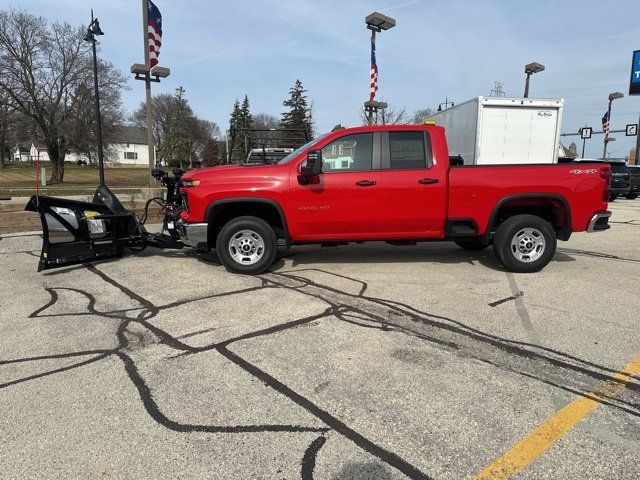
(177, 145)
(211, 154)
(240, 118)
(235, 121)
(299, 114)
(245, 114)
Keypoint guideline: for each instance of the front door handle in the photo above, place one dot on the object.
(365, 183)
(428, 181)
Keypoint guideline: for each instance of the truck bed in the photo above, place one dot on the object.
(482, 189)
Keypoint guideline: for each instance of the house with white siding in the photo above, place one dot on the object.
(127, 146)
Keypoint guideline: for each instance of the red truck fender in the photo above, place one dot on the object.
(561, 220)
(268, 209)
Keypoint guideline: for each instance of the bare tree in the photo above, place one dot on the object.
(422, 114)
(43, 70)
(179, 133)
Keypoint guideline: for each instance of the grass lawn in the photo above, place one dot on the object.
(18, 179)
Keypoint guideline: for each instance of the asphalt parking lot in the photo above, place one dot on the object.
(356, 362)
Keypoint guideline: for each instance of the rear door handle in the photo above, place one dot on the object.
(365, 183)
(428, 181)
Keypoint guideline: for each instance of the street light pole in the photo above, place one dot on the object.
(612, 96)
(373, 49)
(92, 30)
(530, 69)
(376, 22)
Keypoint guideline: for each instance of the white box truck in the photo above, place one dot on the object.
(493, 130)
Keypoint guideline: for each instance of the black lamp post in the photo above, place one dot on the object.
(92, 31)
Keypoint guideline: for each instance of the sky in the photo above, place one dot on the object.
(221, 50)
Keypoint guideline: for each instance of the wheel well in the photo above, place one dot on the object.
(551, 208)
(220, 214)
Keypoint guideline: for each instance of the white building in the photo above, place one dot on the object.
(127, 146)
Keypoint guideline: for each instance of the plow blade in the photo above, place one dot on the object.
(76, 232)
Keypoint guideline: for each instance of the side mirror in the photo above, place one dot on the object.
(312, 167)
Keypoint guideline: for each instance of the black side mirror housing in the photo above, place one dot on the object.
(312, 167)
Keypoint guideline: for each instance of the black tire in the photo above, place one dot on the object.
(473, 244)
(514, 259)
(632, 196)
(612, 197)
(232, 231)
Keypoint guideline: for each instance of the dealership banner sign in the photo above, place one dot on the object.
(634, 84)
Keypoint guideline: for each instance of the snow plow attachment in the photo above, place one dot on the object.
(76, 232)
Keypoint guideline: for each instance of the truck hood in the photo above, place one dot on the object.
(235, 171)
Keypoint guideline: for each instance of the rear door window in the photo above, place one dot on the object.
(407, 151)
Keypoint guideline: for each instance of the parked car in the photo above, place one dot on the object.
(634, 180)
(398, 187)
(619, 180)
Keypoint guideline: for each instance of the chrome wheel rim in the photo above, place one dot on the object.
(246, 247)
(528, 245)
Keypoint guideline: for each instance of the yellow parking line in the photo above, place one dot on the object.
(531, 447)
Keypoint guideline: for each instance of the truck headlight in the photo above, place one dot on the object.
(189, 183)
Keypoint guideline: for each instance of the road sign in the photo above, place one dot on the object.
(632, 130)
(585, 132)
(634, 83)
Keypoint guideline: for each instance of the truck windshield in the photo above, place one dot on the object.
(301, 149)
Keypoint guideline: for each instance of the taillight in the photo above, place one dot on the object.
(605, 174)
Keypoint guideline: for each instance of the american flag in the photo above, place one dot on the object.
(373, 84)
(154, 31)
(605, 124)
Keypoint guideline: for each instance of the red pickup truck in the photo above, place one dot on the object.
(390, 183)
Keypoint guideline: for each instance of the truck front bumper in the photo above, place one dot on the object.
(194, 234)
(599, 222)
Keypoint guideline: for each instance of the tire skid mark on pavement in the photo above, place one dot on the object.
(549, 366)
(309, 459)
(148, 310)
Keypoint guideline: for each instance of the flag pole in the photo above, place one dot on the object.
(147, 82)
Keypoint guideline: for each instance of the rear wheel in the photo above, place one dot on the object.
(525, 243)
(632, 196)
(246, 245)
(474, 244)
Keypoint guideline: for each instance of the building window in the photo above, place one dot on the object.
(130, 155)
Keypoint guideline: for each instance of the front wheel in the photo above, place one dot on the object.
(246, 245)
(525, 243)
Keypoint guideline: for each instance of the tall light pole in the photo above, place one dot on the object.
(93, 30)
(612, 96)
(376, 22)
(530, 69)
(144, 71)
